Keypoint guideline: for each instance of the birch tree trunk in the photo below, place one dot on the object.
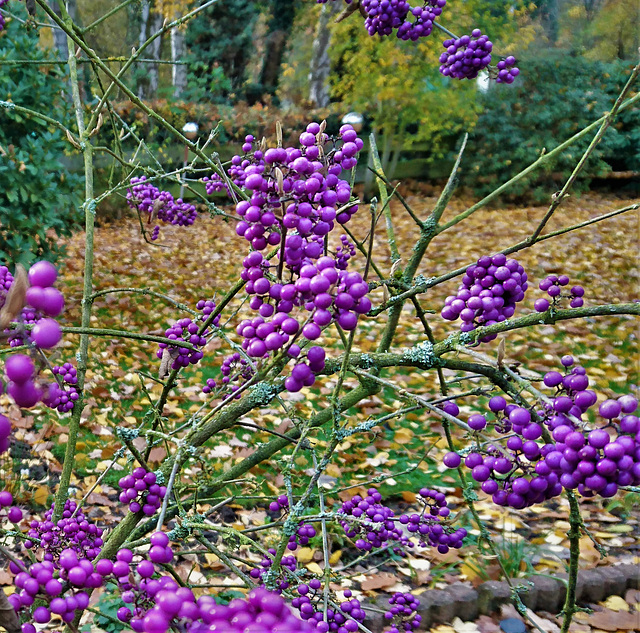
(320, 62)
(178, 71)
(154, 53)
(143, 79)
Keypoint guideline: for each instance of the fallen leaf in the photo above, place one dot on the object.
(379, 581)
(609, 620)
(615, 603)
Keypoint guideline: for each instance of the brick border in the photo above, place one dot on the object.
(440, 606)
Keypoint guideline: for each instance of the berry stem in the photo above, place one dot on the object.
(384, 199)
(62, 493)
(575, 521)
(445, 30)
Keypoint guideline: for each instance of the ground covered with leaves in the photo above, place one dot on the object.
(203, 261)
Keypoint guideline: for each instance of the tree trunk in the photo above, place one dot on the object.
(154, 53)
(276, 41)
(59, 36)
(178, 71)
(549, 15)
(143, 78)
(320, 62)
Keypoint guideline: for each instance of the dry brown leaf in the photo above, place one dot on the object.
(609, 620)
(379, 581)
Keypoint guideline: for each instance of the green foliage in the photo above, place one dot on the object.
(38, 195)
(398, 84)
(108, 606)
(220, 42)
(549, 103)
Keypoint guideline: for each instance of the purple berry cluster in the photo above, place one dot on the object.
(297, 188)
(148, 200)
(59, 396)
(6, 279)
(377, 525)
(14, 514)
(38, 583)
(488, 294)
(65, 549)
(553, 285)
(385, 16)
(427, 525)
(187, 330)
(507, 70)
(403, 612)
(374, 525)
(234, 368)
(183, 330)
(310, 603)
(176, 606)
(304, 532)
(296, 200)
(5, 432)
(72, 533)
(593, 460)
(3, 22)
(41, 295)
(43, 302)
(20, 371)
(141, 491)
(288, 563)
(466, 56)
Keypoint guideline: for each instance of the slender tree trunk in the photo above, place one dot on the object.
(143, 78)
(549, 16)
(59, 36)
(154, 53)
(276, 41)
(320, 62)
(178, 71)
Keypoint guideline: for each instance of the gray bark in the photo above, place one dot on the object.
(320, 62)
(178, 71)
(144, 24)
(154, 50)
(59, 37)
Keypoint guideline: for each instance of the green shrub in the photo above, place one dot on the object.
(554, 97)
(39, 199)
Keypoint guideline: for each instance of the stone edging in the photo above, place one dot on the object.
(438, 606)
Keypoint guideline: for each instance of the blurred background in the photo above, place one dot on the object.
(239, 66)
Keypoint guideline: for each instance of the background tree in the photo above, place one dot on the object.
(220, 43)
(320, 60)
(279, 28)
